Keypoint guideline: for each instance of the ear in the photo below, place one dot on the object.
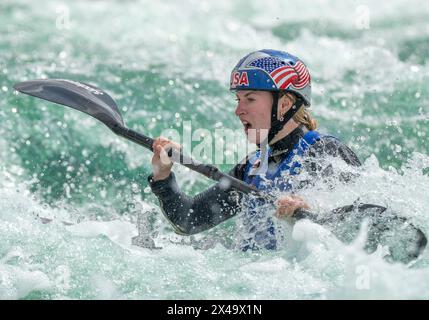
(285, 103)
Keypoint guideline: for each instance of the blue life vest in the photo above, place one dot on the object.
(259, 227)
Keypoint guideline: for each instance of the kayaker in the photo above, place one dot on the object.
(273, 92)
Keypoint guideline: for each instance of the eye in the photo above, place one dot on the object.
(251, 99)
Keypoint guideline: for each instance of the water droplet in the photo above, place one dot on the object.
(135, 188)
(398, 148)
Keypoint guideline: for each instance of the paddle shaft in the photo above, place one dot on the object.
(207, 170)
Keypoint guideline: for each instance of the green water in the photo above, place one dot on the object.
(169, 62)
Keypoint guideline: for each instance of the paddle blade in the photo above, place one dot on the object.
(77, 95)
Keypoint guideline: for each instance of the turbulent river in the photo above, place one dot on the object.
(167, 64)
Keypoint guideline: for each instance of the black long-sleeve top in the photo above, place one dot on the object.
(191, 215)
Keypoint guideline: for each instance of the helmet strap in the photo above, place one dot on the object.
(278, 124)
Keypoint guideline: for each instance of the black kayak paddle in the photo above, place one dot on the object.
(100, 105)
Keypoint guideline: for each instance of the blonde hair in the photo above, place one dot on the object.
(302, 116)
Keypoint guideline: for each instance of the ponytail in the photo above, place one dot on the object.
(302, 116)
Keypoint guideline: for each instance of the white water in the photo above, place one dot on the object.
(95, 259)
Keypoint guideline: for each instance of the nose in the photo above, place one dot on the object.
(239, 110)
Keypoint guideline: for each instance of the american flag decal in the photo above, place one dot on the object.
(297, 75)
(284, 75)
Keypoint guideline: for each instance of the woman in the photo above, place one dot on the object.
(273, 90)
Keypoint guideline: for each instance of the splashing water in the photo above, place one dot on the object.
(369, 66)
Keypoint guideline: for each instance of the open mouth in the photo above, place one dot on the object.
(247, 125)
